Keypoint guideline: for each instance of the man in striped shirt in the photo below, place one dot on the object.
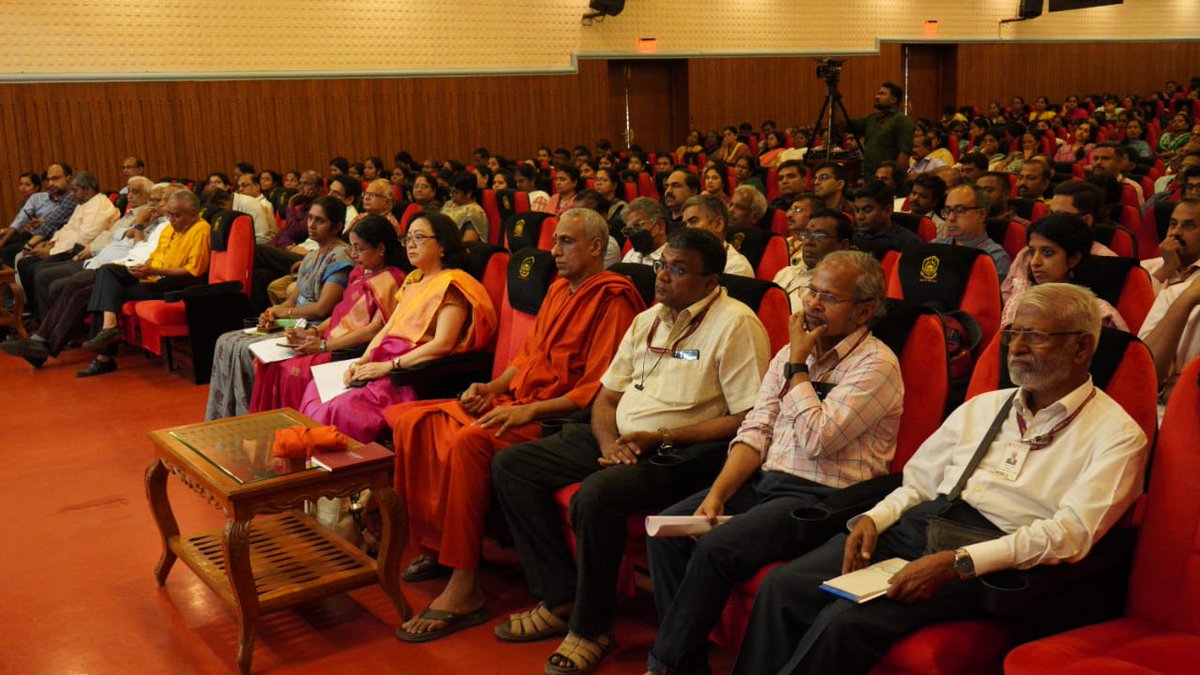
(826, 417)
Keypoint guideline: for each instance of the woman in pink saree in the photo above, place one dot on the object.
(369, 300)
(441, 310)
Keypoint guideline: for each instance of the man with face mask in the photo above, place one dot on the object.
(646, 229)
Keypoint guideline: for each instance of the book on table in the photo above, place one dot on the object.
(866, 584)
(337, 461)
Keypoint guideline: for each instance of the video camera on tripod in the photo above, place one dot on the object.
(830, 70)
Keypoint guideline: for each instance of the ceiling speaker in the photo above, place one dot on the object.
(612, 7)
(1030, 9)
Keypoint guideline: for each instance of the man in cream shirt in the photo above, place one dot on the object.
(684, 376)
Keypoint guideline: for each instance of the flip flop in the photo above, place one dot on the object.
(584, 655)
(538, 623)
(424, 568)
(454, 623)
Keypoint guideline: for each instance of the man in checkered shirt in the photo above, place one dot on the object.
(826, 417)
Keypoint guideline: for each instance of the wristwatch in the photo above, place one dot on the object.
(794, 369)
(964, 567)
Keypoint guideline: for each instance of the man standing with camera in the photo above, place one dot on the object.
(888, 133)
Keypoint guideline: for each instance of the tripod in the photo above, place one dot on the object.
(832, 103)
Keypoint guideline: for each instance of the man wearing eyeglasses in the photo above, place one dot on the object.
(1172, 326)
(824, 232)
(684, 376)
(646, 229)
(826, 417)
(1063, 463)
(829, 185)
(966, 225)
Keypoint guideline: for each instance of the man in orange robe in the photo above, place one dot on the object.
(444, 450)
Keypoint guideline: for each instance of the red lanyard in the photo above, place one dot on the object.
(691, 328)
(1042, 440)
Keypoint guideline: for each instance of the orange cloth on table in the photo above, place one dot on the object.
(443, 461)
(301, 441)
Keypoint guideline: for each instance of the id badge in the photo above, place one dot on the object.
(688, 354)
(1014, 457)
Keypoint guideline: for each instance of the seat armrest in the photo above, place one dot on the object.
(349, 353)
(445, 377)
(822, 520)
(1012, 593)
(204, 291)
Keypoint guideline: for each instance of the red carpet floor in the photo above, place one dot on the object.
(79, 548)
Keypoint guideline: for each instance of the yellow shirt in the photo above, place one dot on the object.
(188, 250)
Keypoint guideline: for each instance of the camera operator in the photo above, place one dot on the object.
(888, 132)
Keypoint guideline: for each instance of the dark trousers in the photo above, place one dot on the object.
(28, 268)
(694, 578)
(64, 319)
(527, 475)
(44, 280)
(115, 286)
(270, 263)
(8, 253)
(834, 635)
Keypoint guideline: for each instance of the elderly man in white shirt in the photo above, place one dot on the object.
(709, 213)
(1056, 463)
(646, 229)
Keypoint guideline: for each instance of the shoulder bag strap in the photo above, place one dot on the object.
(983, 447)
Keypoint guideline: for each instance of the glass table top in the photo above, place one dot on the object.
(241, 447)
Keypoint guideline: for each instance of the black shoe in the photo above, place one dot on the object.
(32, 351)
(103, 339)
(97, 367)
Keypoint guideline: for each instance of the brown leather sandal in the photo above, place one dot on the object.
(538, 623)
(578, 655)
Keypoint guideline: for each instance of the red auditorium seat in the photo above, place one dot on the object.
(1160, 631)
(409, 213)
(766, 252)
(1123, 283)
(921, 225)
(1009, 234)
(955, 277)
(768, 301)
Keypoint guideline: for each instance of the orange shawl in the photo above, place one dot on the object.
(419, 300)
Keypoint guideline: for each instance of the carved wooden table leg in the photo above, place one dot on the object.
(156, 494)
(241, 580)
(395, 533)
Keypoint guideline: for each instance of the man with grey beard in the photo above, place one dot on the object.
(1039, 473)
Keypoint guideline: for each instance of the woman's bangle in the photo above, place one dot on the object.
(322, 345)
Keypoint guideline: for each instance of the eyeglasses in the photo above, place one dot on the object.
(815, 236)
(823, 177)
(377, 195)
(1033, 338)
(417, 239)
(959, 211)
(675, 270)
(825, 298)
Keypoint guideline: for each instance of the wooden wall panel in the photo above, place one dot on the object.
(724, 91)
(192, 128)
(988, 72)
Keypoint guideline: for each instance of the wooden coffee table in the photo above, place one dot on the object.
(283, 557)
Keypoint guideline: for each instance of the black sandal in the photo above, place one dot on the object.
(424, 568)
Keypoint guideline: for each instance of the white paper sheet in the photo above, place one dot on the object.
(270, 351)
(328, 378)
(680, 526)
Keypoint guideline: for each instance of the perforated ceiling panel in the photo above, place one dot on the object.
(305, 37)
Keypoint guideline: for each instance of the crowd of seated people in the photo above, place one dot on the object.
(372, 261)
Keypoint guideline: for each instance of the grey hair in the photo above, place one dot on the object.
(85, 180)
(712, 207)
(981, 197)
(1076, 305)
(758, 201)
(594, 226)
(649, 208)
(142, 183)
(869, 282)
(188, 198)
